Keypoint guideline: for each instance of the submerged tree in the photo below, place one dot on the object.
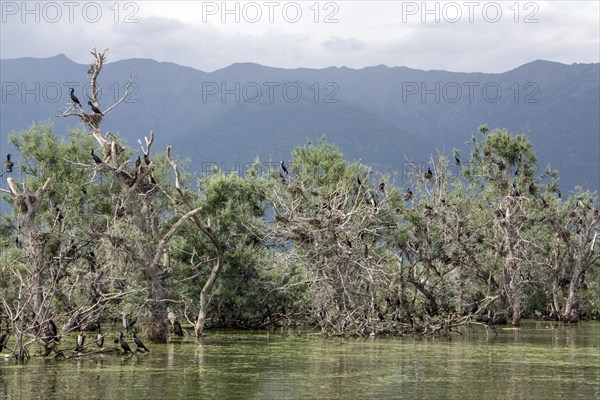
(335, 219)
(571, 249)
(233, 207)
(56, 271)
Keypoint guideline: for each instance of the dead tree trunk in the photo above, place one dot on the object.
(207, 230)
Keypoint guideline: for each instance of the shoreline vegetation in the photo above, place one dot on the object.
(103, 233)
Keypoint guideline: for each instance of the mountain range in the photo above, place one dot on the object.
(383, 116)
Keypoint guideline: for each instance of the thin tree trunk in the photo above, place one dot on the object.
(201, 321)
(571, 309)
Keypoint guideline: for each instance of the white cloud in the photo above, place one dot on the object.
(206, 36)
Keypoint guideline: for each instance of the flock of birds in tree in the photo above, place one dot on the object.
(52, 336)
(97, 159)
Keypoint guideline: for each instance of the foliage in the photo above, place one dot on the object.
(322, 241)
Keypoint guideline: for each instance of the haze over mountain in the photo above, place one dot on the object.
(383, 116)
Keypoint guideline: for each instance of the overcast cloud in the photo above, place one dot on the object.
(468, 36)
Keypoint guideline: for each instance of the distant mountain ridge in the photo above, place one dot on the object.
(381, 115)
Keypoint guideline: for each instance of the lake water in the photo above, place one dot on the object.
(539, 360)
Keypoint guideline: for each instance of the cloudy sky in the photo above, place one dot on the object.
(484, 36)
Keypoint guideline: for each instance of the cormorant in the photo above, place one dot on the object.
(138, 162)
(428, 174)
(177, 328)
(8, 164)
(532, 189)
(284, 168)
(97, 159)
(382, 187)
(95, 109)
(74, 98)
(80, 341)
(146, 159)
(152, 180)
(457, 160)
(358, 180)
(125, 346)
(52, 329)
(140, 345)
(370, 199)
(493, 319)
(408, 195)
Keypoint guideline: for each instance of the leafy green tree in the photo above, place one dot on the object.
(233, 205)
(54, 272)
(502, 172)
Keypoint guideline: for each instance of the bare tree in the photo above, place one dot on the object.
(137, 203)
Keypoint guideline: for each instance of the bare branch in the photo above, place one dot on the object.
(165, 239)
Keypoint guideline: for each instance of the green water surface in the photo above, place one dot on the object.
(540, 360)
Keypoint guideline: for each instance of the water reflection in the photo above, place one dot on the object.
(539, 360)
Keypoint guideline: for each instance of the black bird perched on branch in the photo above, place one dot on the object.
(95, 109)
(74, 98)
(177, 328)
(97, 159)
(382, 187)
(408, 195)
(173, 319)
(284, 168)
(138, 162)
(146, 159)
(52, 331)
(428, 174)
(358, 180)
(457, 160)
(8, 164)
(370, 199)
(140, 345)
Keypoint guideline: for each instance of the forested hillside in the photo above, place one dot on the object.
(382, 116)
